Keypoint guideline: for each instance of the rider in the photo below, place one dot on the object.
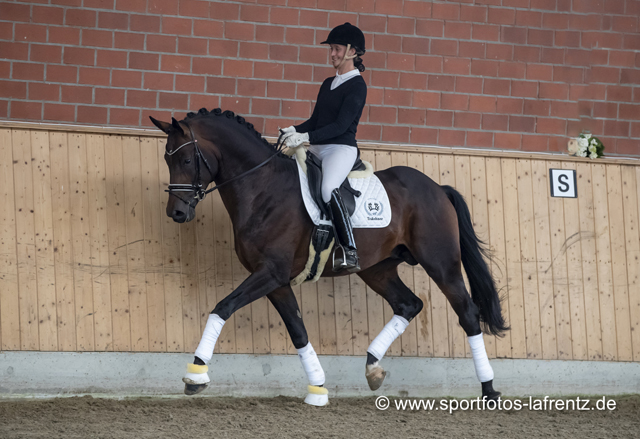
(331, 130)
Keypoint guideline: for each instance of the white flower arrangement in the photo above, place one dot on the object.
(586, 145)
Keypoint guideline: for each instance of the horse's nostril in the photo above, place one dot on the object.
(178, 214)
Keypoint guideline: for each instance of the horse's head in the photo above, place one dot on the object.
(193, 164)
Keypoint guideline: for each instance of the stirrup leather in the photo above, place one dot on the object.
(346, 242)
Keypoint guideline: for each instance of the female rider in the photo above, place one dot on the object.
(331, 130)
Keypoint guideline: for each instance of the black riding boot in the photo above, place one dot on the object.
(344, 233)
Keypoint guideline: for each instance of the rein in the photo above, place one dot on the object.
(196, 187)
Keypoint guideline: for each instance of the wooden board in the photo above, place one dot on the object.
(342, 303)
(359, 315)
(10, 294)
(326, 317)
(633, 260)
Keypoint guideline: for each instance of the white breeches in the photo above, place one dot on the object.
(337, 162)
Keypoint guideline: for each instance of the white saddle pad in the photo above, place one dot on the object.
(373, 209)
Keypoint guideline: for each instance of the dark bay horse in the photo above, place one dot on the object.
(260, 189)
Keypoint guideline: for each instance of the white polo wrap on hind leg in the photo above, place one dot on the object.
(209, 337)
(389, 333)
(484, 371)
(311, 364)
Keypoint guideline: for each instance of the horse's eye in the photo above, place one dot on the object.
(187, 161)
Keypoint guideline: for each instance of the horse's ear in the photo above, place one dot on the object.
(163, 126)
(176, 126)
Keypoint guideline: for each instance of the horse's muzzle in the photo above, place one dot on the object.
(180, 216)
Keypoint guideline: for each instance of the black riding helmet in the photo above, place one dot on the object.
(347, 34)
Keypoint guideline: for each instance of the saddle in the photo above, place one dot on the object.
(314, 175)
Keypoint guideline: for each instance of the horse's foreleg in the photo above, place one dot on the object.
(284, 301)
(257, 285)
(383, 279)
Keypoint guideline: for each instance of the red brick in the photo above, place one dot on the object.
(109, 96)
(567, 74)
(444, 47)
(630, 76)
(619, 93)
(495, 122)
(482, 104)
(628, 146)
(501, 16)
(429, 64)
(28, 71)
(145, 23)
(555, 21)
(384, 78)
(383, 115)
(567, 39)
(540, 72)
(480, 139)
(401, 61)
(158, 81)
(439, 118)
(238, 68)
(369, 132)
(616, 128)
(124, 116)
(585, 22)
(424, 136)
(88, 75)
(468, 49)
(270, 70)
(206, 66)
(415, 45)
(223, 48)
(451, 137)
(635, 129)
(486, 32)
(284, 90)
(601, 40)
(192, 46)
(451, 101)
(190, 83)
(466, 120)
(445, 11)
(318, 19)
(522, 124)
(90, 114)
(474, 13)
(221, 10)
(374, 60)
(309, 92)
(270, 107)
(484, 68)
(14, 51)
(468, 85)
(413, 81)
(528, 18)
(441, 82)
(126, 40)
(126, 78)
(60, 113)
(415, 9)
(219, 85)
(510, 105)
(208, 28)
(603, 74)
(283, 52)
(507, 141)
(387, 43)
(15, 12)
(176, 101)
(76, 3)
(322, 73)
(30, 32)
(57, 73)
(429, 28)
(456, 66)
(457, 30)
(26, 110)
(143, 61)
(13, 89)
(535, 143)
(401, 98)
(251, 87)
(607, 110)
(536, 107)
(142, 98)
(295, 109)
(113, 20)
(498, 87)
(395, 134)
(410, 116)
(550, 126)
(511, 70)
(79, 56)
(616, 58)
(5, 69)
(299, 36)
(40, 91)
(80, 17)
(538, 37)
(163, 7)
(286, 16)
(177, 26)
(552, 56)
(500, 51)
(131, 5)
(631, 42)
(588, 91)
(425, 99)
(194, 8)
(555, 91)
(100, 38)
(629, 111)
(397, 25)
(112, 58)
(516, 35)
(98, 4)
(244, 31)
(6, 30)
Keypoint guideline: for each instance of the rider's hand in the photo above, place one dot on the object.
(295, 139)
(288, 130)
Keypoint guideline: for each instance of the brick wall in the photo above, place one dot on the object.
(519, 74)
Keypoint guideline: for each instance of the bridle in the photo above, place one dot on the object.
(200, 191)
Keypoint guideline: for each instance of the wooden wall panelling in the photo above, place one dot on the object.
(327, 317)
(342, 303)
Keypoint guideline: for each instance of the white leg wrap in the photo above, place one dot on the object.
(209, 337)
(484, 371)
(389, 333)
(311, 364)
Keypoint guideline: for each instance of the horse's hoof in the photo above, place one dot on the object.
(488, 392)
(375, 375)
(193, 389)
(317, 396)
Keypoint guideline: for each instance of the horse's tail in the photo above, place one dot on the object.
(473, 252)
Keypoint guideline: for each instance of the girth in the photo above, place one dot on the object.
(314, 175)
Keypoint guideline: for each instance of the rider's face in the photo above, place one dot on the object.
(337, 52)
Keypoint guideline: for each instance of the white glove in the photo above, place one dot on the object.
(288, 130)
(295, 139)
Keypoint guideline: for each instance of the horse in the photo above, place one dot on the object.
(260, 189)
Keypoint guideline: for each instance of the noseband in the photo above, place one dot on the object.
(200, 191)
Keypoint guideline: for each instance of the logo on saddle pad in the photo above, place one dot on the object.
(373, 207)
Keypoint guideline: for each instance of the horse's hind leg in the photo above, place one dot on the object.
(284, 301)
(383, 279)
